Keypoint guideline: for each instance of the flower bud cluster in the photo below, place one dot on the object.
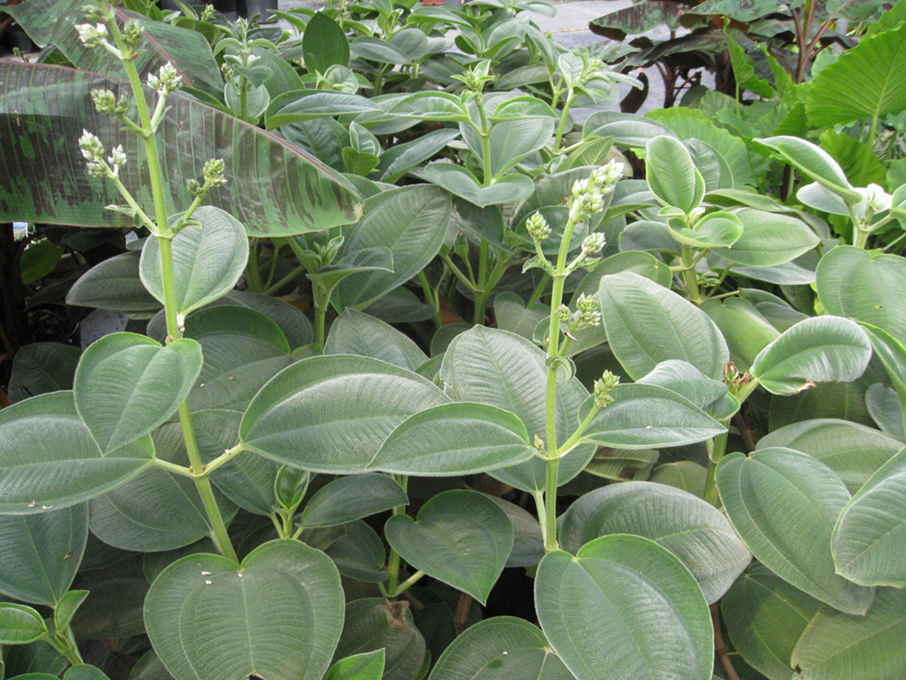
(563, 314)
(106, 102)
(588, 194)
(166, 81)
(93, 151)
(94, 14)
(594, 242)
(132, 34)
(588, 312)
(213, 172)
(537, 227)
(602, 389)
(92, 35)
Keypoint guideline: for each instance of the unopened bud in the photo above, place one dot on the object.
(92, 35)
(166, 81)
(602, 389)
(594, 242)
(214, 172)
(104, 101)
(537, 227)
(132, 33)
(91, 146)
(563, 313)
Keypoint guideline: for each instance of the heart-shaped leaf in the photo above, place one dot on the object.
(503, 645)
(774, 498)
(646, 417)
(48, 458)
(818, 349)
(278, 615)
(693, 530)
(460, 537)
(460, 182)
(128, 384)
(332, 414)
(869, 535)
(454, 439)
(350, 498)
(40, 554)
(207, 260)
(650, 618)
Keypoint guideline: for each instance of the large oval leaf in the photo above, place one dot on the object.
(127, 384)
(504, 646)
(278, 615)
(454, 439)
(356, 333)
(350, 498)
(332, 414)
(48, 458)
(115, 284)
(769, 239)
(836, 646)
(273, 188)
(784, 505)
(208, 260)
(693, 530)
(459, 537)
(869, 536)
(671, 175)
(42, 367)
(489, 366)
(812, 161)
(624, 609)
(647, 323)
(868, 287)
(40, 554)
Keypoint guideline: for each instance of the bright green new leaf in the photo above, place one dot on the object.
(502, 646)
(40, 554)
(672, 176)
(364, 666)
(865, 82)
(127, 384)
(717, 230)
(454, 439)
(20, 624)
(818, 349)
(869, 536)
(868, 287)
(744, 72)
(459, 537)
(776, 498)
(624, 608)
(836, 646)
(360, 334)
(647, 323)
(324, 44)
(332, 414)
(67, 607)
(648, 417)
(279, 614)
(48, 458)
(350, 498)
(208, 260)
(765, 616)
(693, 530)
(812, 161)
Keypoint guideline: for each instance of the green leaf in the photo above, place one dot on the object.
(324, 44)
(868, 287)
(40, 554)
(454, 439)
(460, 182)
(717, 230)
(838, 646)
(744, 72)
(401, 158)
(332, 414)
(42, 367)
(224, 323)
(412, 223)
(818, 349)
(647, 323)
(690, 528)
(765, 616)
(853, 451)
(624, 608)
(639, 18)
(38, 260)
(459, 537)
(114, 284)
(48, 458)
(891, 353)
(671, 175)
(866, 81)
(502, 646)
(207, 260)
(687, 381)
(350, 498)
(441, 107)
(774, 498)
(67, 607)
(53, 22)
(489, 366)
(510, 141)
(359, 553)
(127, 384)
(84, 671)
(870, 531)
(814, 162)
(745, 329)
(648, 417)
(302, 105)
(769, 239)
(374, 624)
(278, 615)
(160, 510)
(19, 624)
(272, 187)
(360, 334)
(627, 129)
(364, 666)
(512, 315)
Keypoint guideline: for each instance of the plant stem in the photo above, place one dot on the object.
(558, 137)
(393, 562)
(539, 289)
(481, 297)
(295, 273)
(717, 447)
(457, 272)
(689, 277)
